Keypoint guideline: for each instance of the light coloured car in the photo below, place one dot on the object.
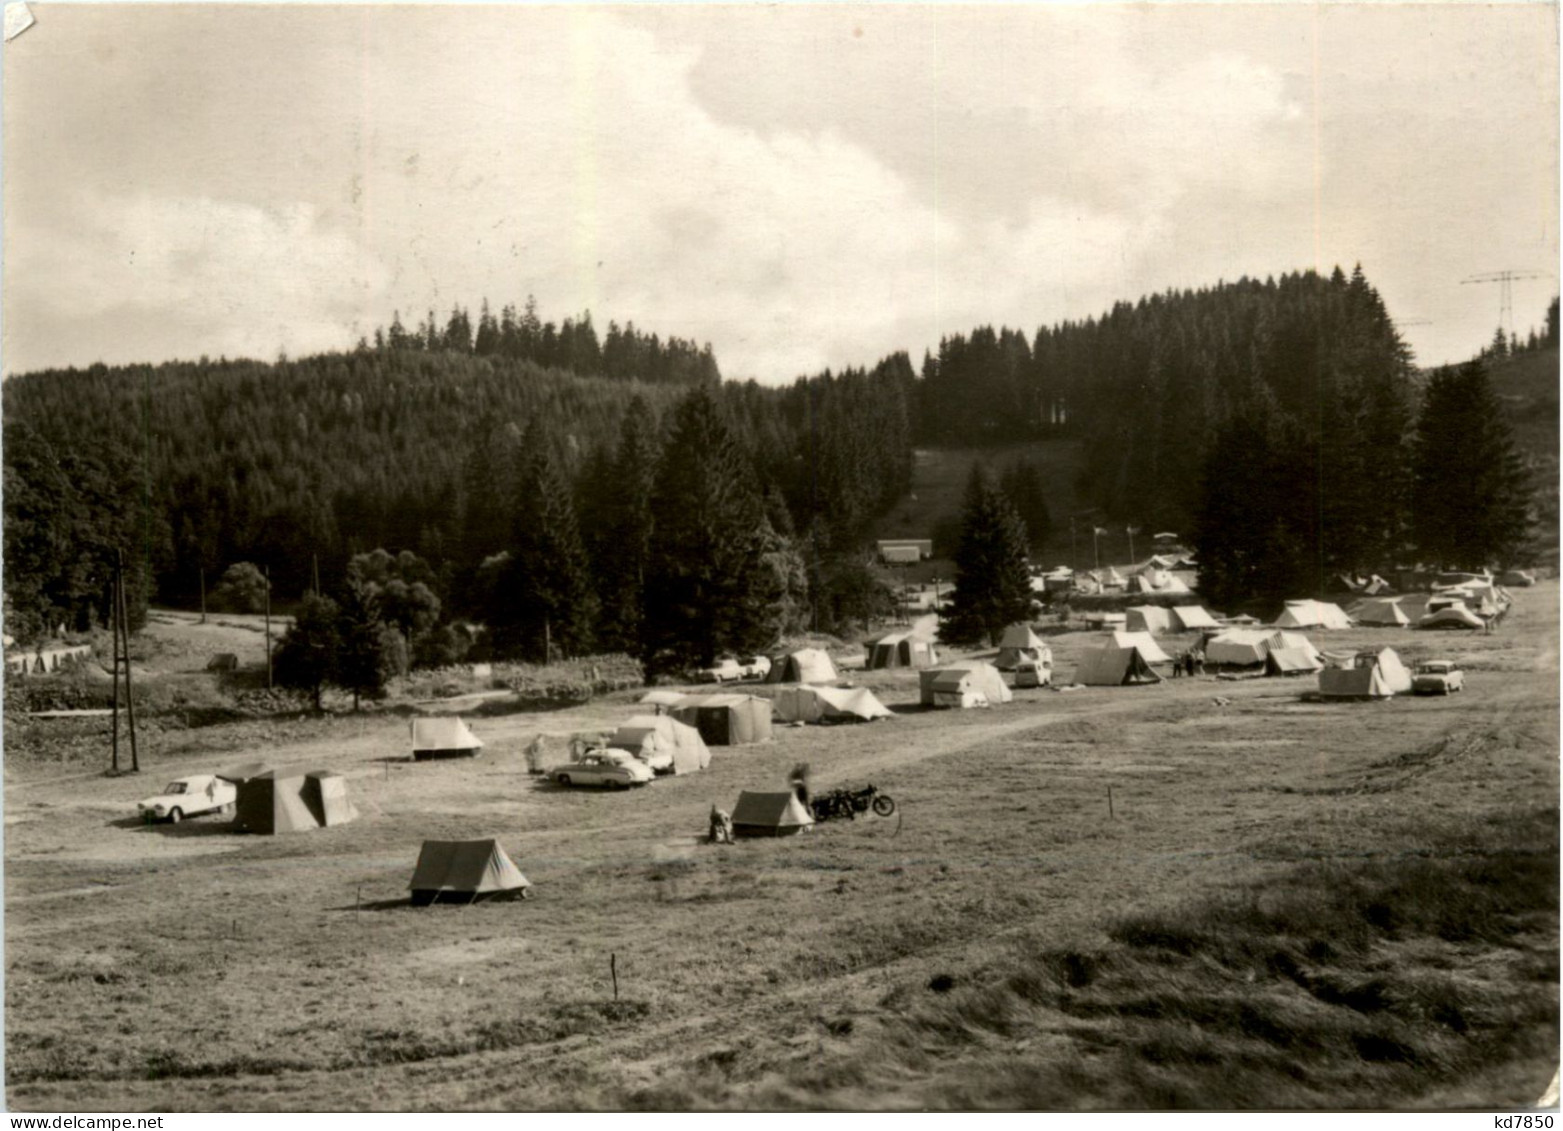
(1437, 677)
(720, 672)
(755, 667)
(611, 769)
(189, 797)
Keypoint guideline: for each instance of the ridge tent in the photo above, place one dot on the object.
(1147, 618)
(1380, 611)
(1191, 618)
(1375, 587)
(770, 814)
(443, 738)
(1113, 666)
(1520, 578)
(1149, 650)
(325, 792)
(274, 802)
(464, 869)
(1239, 647)
(646, 736)
(806, 665)
(1312, 614)
(1451, 616)
(1456, 577)
(899, 650)
(1020, 643)
(1353, 683)
(223, 662)
(829, 705)
(972, 683)
(726, 720)
(1291, 661)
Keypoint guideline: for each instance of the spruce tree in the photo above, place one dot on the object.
(307, 656)
(624, 538)
(546, 606)
(707, 586)
(366, 658)
(1470, 495)
(992, 573)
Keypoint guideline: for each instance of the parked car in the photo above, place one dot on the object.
(1437, 677)
(720, 672)
(755, 667)
(189, 797)
(611, 769)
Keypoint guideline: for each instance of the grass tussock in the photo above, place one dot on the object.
(1344, 986)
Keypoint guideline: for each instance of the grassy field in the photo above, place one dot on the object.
(1282, 904)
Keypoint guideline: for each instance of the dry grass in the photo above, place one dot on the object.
(1294, 905)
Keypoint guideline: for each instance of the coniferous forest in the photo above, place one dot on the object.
(561, 488)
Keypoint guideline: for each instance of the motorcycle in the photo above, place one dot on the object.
(849, 803)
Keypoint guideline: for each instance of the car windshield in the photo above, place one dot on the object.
(177, 787)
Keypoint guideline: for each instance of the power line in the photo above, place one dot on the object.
(1505, 280)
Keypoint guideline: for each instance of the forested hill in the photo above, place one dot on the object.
(203, 464)
(1147, 386)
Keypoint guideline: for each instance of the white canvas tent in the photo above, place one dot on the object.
(770, 814)
(1375, 674)
(443, 738)
(1380, 611)
(806, 665)
(1148, 618)
(1020, 643)
(829, 705)
(1248, 647)
(1113, 666)
(1312, 614)
(1141, 642)
(1451, 616)
(969, 684)
(646, 736)
(1192, 618)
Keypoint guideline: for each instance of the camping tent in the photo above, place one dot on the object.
(1148, 618)
(1020, 643)
(1374, 674)
(1291, 661)
(1451, 616)
(1312, 614)
(443, 738)
(1518, 577)
(968, 684)
(807, 665)
(223, 662)
(770, 814)
(1456, 577)
(899, 650)
(1380, 611)
(325, 792)
(646, 736)
(662, 699)
(1394, 673)
(1247, 647)
(1191, 618)
(726, 720)
(1149, 650)
(273, 802)
(828, 705)
(1112, 666)
(465, 870)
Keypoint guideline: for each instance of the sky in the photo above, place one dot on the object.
(801, 186)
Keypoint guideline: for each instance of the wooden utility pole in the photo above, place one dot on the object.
(268, 628)
(113, 611)
(122, 623)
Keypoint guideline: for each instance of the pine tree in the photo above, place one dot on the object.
(1470, 496)
(992, 573)
(547, 605)
(707, 588)
(1022, 485)
(308, 655)
(622, 527)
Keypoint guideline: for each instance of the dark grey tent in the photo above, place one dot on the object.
(274, 802)
(464, 871)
